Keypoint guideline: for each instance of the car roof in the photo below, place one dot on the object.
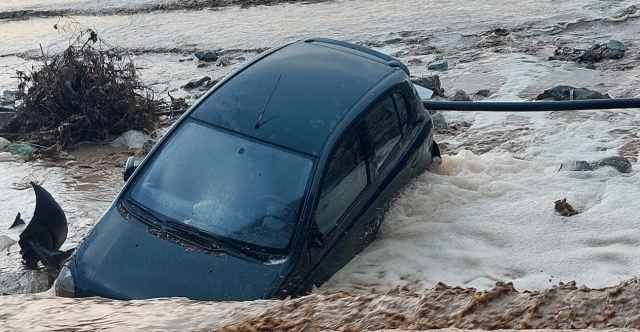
(300, 92)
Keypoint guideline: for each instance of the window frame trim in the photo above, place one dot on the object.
(359, 125)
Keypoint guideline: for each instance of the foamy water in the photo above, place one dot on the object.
(485, 215)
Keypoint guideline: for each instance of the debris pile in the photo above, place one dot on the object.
(88, 92)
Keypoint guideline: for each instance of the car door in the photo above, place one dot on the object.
(345, 194)
(393, 127)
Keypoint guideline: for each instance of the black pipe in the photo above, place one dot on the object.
(538, 106)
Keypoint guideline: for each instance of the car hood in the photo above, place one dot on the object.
(121, 259)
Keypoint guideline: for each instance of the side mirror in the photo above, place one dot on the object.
(316, 238)
(129, 167)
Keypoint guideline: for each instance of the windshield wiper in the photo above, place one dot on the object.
(211, 236)
(197, 236)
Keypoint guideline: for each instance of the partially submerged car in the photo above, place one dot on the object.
(267, 186)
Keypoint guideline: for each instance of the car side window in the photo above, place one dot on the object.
(401, 106)
(345, 178)
(384, 127)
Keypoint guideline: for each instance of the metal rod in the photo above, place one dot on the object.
(537, 106)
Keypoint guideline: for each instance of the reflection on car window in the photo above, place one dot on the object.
(384, 127)
(226, 185)
(345, 179)
(401, 106)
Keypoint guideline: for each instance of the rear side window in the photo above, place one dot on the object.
(384, 127)
(345, 179)
(401, 105)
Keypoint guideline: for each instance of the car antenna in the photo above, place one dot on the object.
(257, 125)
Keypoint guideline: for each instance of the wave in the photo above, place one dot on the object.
(145, 8)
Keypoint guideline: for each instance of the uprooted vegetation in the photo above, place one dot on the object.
(88, 92)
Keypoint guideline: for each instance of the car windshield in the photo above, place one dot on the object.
(226, 185)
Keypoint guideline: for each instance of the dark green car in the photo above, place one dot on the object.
(267, 186)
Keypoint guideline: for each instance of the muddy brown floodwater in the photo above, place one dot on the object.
(559, 307)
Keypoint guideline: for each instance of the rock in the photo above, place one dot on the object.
(611, 50)
(131, 139)
(563, 92)
(439, 121)
(8, 98)
(483, 93)
(616, 45)
(576, 166)
(25, 281)
(21, 149)
(622, 164)
(614, 50)
(459, 95)
(206, 56)
(209, 84)
(3, 143)
(432, 83)
(202, 65)
(438, 65)
(6, 156)
(222, 62)
(565, 209)
(6, 243)
(196, 83)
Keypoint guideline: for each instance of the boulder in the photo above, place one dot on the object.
(3, 143)
(432, 83)
(483, 93)
(196, 83)
(613, 49)
(563, 92)
(576, 166)
(459, 95)
(439, 121)
(441, 65)
(8, 98)
(206, 56)
(620, 163)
